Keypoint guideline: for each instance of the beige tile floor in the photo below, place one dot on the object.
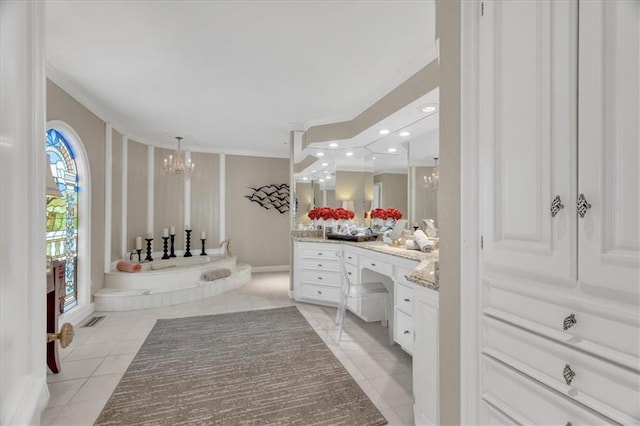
(98, 357)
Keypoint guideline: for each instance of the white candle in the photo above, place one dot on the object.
(173, 230)
(138, 243)
(203, 235)
(165, 232)
(149, 235)
(187, 227)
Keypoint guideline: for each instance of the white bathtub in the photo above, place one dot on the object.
(169, 282)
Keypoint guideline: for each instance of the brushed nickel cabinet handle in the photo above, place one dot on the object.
(320, 278)
(407, 332)
(319, 254)
(582, 205)
(373, 264)
(556, 205)
(569, 322)
(319, 292)
(568, 374)
(407, 300)
(320, 265)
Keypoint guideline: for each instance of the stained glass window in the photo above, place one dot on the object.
(62, 212)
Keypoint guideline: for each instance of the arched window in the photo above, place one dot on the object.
(62, 213)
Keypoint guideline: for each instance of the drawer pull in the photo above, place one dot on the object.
(349, 257)
(373, 264)
(556, 205)
(320, 278)
(319, 265)
(569, 424)
(319, 292)
(407, 300)
(348, 273)
(582, 205)
(407, 332)
(319, 254)
(568, 374)
(569, 322)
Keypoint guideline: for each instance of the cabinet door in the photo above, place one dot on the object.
(609, 142)
(527, 131)
(425, 356)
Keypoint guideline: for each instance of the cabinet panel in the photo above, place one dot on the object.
(609, 157)
(425, 356)
(403, 330)
(527, 132)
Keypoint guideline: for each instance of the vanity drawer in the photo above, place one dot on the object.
(605, 387)
(321, 292)
(404, 298)
(350, 256)
(403, 330)
(610, 331)
(401, 275)
(322, 277)
(320, 251)
(527, 401)
(327, 264)
(376, 265)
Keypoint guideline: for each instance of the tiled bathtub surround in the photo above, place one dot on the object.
(94, 363)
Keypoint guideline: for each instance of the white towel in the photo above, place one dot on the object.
(423, 241)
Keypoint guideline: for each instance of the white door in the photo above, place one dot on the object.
(425, 356)
(609, 146)
(527, 131)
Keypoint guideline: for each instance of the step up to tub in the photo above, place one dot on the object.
(187, 289)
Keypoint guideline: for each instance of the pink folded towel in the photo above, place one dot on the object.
(215, 274)
(128, 266)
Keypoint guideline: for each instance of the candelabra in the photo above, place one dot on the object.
(139, 251)
(203, 253)
(187, 252)
(165, 246)
(148, 258)
(172, 253)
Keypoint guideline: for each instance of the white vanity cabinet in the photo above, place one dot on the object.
(559, 143)
(317, 272)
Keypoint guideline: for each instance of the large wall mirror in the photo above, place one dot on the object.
(391, 164)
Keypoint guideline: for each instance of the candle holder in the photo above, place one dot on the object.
(173, 237)
(165, 246)
(187, 252)
(203, 253)
(139, 251)
(148, 258)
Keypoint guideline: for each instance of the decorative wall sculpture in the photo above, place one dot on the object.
(273, 196)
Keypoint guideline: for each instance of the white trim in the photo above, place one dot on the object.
(222, 204)
(150, 186)
(83, 283)
(274, 268)
(77, 315)
(187, 198)
(30, 400)
(125, 195)
(108, 194)
(470, 218)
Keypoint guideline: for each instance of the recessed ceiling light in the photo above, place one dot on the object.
(313, 171)
(326, 171)
(391, 150)
(429, 108)
(320, 154)
(405, 134)
(325, 164)
(373, 157)
(327, 177)
(321, 180)
(349, 154)
(333, 144)
(384, 132)
(305, 178)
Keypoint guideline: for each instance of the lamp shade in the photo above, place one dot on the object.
(51, 189)
(348, 205)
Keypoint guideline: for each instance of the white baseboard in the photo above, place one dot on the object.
(35, 396)
(76, 315)
(275, 268)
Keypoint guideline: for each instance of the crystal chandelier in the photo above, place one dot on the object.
(433, 181)
(176, 165)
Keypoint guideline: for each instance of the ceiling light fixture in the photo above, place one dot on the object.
(320, 154)
(325, 164)
(333, 144)
(305, 178)
(321, 180)
(327, 177)
(429, 108)
(433, 181)
(326, 171)
(405, 134)
(349, 154)
(391, 150)
(175, 164)
(384, 132)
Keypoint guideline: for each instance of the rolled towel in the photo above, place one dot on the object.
(423, 241)
(124, 266)
(215, 274)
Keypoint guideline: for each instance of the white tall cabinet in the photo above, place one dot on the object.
(559, 152)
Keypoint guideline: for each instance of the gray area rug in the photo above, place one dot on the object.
(256, 367)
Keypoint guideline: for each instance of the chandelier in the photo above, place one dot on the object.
(176, 165)
(433, 181)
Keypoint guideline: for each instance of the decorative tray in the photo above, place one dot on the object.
(354, 238)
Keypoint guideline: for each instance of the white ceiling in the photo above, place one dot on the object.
(233, 76)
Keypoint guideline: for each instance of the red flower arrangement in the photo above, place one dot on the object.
(327, 213)
(385, 214)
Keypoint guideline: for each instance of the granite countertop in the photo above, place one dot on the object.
(425, 274)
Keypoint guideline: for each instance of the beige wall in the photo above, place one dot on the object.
(304, 197)
(259, 237)
(425, 201)
(394, 191)
(448, 27)
(205, 204)
(116, 195)
(168, 203)
(136, 195)
(91, 130)
(356, 187)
